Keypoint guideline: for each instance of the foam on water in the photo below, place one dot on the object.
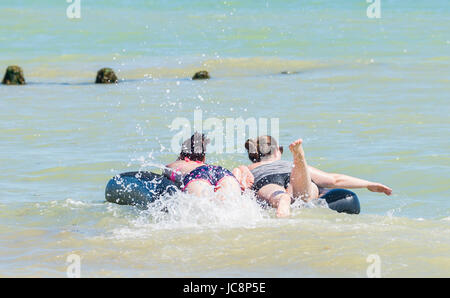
(185, 212)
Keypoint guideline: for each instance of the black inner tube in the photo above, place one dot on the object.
(342, 200)
(142, 188)
(138, 188)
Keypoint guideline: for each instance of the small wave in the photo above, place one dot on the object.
(73, 203)
(183, 211)
(299, 204)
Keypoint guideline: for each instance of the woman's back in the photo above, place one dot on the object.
(184, 167)
(271, 168)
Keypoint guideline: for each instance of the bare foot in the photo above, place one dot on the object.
(377, 187)
(297, 150)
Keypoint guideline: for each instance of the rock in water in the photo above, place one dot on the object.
(106, 76)
(14, 76)
(201, 75)
(287, 72)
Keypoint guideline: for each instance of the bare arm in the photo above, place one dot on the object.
(244, 177)
(333, 180)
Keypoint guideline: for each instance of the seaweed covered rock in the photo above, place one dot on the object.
(201, 75)
(13, 76)
(106, 76)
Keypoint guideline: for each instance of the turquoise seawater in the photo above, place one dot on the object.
(370, 98)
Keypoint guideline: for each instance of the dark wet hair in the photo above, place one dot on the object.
(261, 148)
(194, 148)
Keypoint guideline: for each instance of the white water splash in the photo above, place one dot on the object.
(184, 211)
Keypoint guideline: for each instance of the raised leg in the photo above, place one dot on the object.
(300, 180)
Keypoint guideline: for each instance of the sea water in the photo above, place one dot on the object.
(369, 96)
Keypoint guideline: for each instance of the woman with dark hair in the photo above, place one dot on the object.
(192, 175)
(278, 182)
